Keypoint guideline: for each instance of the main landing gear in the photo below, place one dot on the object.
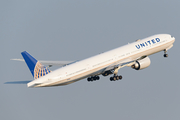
(165, 55)
(115, 77)
(93, 78)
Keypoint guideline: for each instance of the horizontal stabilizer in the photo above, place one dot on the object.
(17, 82)
(53, 63)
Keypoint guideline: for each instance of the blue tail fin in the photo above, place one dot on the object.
(37, 69)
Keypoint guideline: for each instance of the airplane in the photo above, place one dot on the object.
(134, 55)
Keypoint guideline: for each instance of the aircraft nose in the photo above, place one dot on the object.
(172, 38)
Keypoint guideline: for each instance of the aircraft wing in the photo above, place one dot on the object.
(121, 64)
(127, 62)
(50, 63)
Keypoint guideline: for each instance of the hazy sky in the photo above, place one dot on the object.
(77, 29)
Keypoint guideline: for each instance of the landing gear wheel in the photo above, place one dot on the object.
(120, 77)
(93, 78)
(165, 55)
(97, 78)
(114, 78)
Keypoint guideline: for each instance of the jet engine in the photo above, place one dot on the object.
(141, 64)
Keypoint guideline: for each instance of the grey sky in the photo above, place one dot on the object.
(77, 29)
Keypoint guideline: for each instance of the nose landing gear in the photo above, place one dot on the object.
(165, 53)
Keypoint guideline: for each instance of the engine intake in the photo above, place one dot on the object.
(141, 64)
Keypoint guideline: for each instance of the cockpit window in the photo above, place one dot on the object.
(138, 40)
(171, 36)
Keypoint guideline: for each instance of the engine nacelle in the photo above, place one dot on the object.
(141, 64)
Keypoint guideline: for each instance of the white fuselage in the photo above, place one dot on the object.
(98, 64)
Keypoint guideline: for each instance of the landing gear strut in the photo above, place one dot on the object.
(116, 77)
(165, 55)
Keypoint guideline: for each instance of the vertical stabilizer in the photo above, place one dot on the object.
(37, 69)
